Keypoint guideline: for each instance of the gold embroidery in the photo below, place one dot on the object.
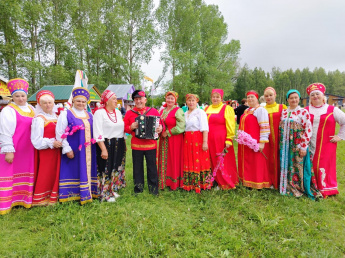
(21, 112)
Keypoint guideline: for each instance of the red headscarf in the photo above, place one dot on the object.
(43, 92)
(106, 95)
(219, 91)
(251, 92)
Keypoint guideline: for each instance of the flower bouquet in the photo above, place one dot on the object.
(220, 166)
(70, 131)
(246, 139)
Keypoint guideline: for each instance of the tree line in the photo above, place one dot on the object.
(46, 41)
(282, 81)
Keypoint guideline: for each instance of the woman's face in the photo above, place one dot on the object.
(293, 100)
(270, 97)
(252, 100)
(233, 105)
(47, 105)
(170, 100)
(316, 98)
(20, 98)
(112, 102)
(79, 103)
(216, 98)
(191, 103)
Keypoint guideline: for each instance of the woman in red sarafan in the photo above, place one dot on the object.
(47, 151)
(170, 163)
(222, 123)
(323, 142)
(252, 166)
(272, 151)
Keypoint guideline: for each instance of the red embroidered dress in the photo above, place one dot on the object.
(47, 169)
(170, 162)
(271, 149)
(252, 166)
(222, 130)
(324, 151)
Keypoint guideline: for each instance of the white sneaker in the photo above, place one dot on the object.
(111, 199)
(116, 195)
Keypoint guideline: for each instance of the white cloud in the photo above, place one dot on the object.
(286, 34)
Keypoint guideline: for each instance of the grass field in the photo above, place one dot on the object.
(214, 223)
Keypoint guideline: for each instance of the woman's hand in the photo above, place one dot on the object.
(164, 134)
(57, 144)
(227, 145)
(104, 154)
(70, 155)
(302, 153)
(261, 146)
(9, 157)
(204, 146)
(335, 138)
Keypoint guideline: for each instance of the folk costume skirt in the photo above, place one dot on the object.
(111, 172)
(196, 163)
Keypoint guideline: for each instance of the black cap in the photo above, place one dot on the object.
(138, 94)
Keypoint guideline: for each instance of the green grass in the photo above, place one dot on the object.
(238, 222)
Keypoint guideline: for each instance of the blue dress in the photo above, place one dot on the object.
(78, 176)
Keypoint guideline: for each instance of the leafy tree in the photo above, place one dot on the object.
(196, 52)
(10, 41)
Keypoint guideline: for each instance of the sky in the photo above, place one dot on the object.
(281, 33)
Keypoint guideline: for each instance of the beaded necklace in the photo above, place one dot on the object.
(114, 120)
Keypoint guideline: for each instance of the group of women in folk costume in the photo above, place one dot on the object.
(290, 144)
(77, 156)
(207, 134)
(298, 144)
(44, 159)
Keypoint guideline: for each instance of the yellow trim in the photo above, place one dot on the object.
(21, 112)
(3, 212)
(70, 199)
(88, 151)
(318, 160)
(256, 185)
(69, 183)
(142, 146)
(46, 121)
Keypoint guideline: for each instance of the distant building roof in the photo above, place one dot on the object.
(63, 92)
(3, 79)
(122, 90)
